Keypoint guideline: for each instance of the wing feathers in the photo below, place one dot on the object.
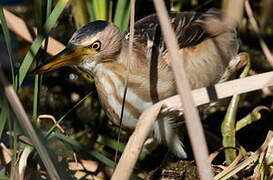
(191, 28)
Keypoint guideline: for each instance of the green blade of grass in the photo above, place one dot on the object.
(67, 139)
(122, 14)
(101, 9)
(125, 22)
(90, 9)
(38, 19)
(3, 115)
(48, 11)
(8, 42)
(119, 12)
(38, 78)
(38, 14)
(35, 99)
(50, 22)
(102, 158)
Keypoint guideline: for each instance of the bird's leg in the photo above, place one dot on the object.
(234, 65)
(228, 124)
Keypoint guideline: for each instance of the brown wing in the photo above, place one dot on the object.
(191, 28)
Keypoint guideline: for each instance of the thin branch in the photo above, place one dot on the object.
(131, 38)
(256, 29)
(129, 157)
(235, 9)
(192, 119)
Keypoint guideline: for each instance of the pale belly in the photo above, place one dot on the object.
(111, 96)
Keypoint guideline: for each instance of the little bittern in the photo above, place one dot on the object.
(100, 49)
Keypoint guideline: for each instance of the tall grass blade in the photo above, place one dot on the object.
(50, 22)
(90, 9)
(102, 158)
(125, 22)
(122, 14)
(35, 98)
(3, 115)
(48, 11)
(101, 9)
(66, 139)
(38, 14)
(8, 42)
(38, 78)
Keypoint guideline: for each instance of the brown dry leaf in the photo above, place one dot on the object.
(87, 165)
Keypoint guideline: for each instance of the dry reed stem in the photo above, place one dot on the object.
(27, 126)
(192, 119)
(200, 96)
(121, 167)
(6, 154)
(224, 90)
(130, 51)
(19, 27)
(254, 24)
(87, 165)
(48, 116)
(129, 157)
(235, 9)
(22, 164)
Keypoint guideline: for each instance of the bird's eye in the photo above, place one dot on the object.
(96, 45)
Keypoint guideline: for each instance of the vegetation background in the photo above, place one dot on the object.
(83, 144)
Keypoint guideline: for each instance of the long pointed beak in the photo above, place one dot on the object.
(69, 56)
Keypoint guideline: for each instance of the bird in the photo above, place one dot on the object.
(100, 50)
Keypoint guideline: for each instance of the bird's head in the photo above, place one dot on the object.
(96, 42)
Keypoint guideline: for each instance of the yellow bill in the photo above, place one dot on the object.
(69, 56)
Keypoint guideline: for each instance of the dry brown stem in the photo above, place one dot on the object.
(129, 157)
(235, 9)
(192, 119)
(27, 126)
(256, 29)
(19, 27)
